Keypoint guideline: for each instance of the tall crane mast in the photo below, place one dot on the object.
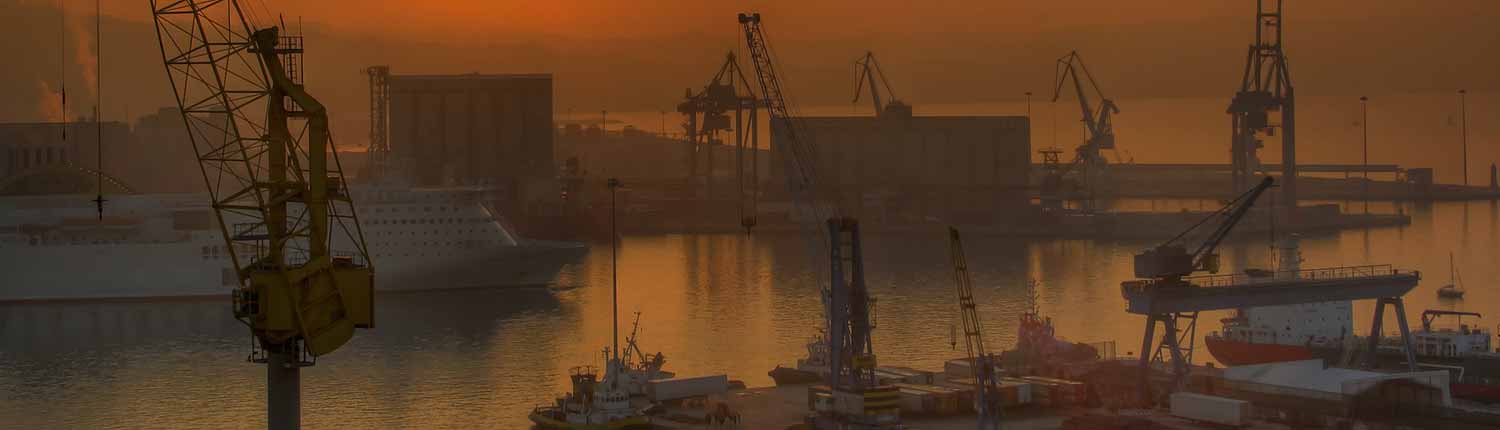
(304, 276)
(707, 113)
(867, 71)
(1265, 88)
(987, 398)
(856, 400)
(379, 151)
(1097, 121)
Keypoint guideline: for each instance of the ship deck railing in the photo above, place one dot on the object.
(1230, 291)
(1341, 273)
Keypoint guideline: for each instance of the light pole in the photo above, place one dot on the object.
(1463, 114)
(1364, 122)
(663, 123)
(614, 267)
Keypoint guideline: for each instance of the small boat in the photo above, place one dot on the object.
(1454, 289)
(594, 404)
(638, 367)
(812, 369)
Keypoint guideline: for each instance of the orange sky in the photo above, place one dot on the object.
(604, 19)
(639, 56)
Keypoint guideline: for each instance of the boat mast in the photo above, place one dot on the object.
(1452, 271)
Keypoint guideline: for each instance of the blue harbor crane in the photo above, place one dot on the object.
(853, 398)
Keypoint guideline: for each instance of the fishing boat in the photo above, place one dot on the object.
(1454, 289)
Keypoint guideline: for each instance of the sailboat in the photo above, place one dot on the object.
(1454, 289)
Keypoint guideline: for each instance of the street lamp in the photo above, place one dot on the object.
(1364, 123)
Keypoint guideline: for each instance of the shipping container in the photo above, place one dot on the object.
(958, 368)
(1210, 409)
(937, 400)
(910, 375)
(1058, 392)
(680, 388)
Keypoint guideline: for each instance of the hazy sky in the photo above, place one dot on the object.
(639, 56)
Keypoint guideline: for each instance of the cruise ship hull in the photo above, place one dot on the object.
(139, 271)
(55, 247)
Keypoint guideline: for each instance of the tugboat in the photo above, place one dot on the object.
(596, 404)
(593, 404)
(640, 368)
(1455, 288)
(1038, 350)
(809, 370)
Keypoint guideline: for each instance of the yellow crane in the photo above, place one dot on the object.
(987, 401)
(304, 276)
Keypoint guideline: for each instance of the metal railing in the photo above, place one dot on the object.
(1319, 274)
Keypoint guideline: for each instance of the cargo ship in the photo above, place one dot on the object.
(1324, 331)
(56, 247)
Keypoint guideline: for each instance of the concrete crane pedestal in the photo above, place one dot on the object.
(1176, 305)
(283, 391)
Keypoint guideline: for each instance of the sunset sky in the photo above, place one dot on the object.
(639, 56)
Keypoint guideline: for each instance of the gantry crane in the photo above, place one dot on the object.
(987, 400)
(707, 112)
(1164, 267)
(379, 151)
(1098, 125)
(856, 399)
(304, 275)
(867, 70)
(1266, 87)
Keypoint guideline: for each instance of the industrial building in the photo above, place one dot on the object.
(472, 129)
(36, 157)
(486, 130)
(895, 167)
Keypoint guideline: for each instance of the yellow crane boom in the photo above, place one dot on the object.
(278, 192)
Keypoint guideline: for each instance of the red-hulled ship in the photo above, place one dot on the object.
(1290, 333)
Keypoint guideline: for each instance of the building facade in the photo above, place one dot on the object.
(472, 129)
(951, 168)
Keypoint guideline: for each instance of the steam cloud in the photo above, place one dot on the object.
(49, 103)
(83, 53)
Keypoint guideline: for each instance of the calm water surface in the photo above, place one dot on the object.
(711, 303)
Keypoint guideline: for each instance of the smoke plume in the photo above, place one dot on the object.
(49, 102)
(83, 53)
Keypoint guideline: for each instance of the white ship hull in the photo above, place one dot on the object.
(418, 239)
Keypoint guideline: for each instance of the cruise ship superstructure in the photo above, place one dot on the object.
(55, 247)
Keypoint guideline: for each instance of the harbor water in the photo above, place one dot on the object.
(731, 303)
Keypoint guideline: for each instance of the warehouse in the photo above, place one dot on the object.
(472, 129)
(897, 168)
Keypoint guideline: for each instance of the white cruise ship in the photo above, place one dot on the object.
(54, 247)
